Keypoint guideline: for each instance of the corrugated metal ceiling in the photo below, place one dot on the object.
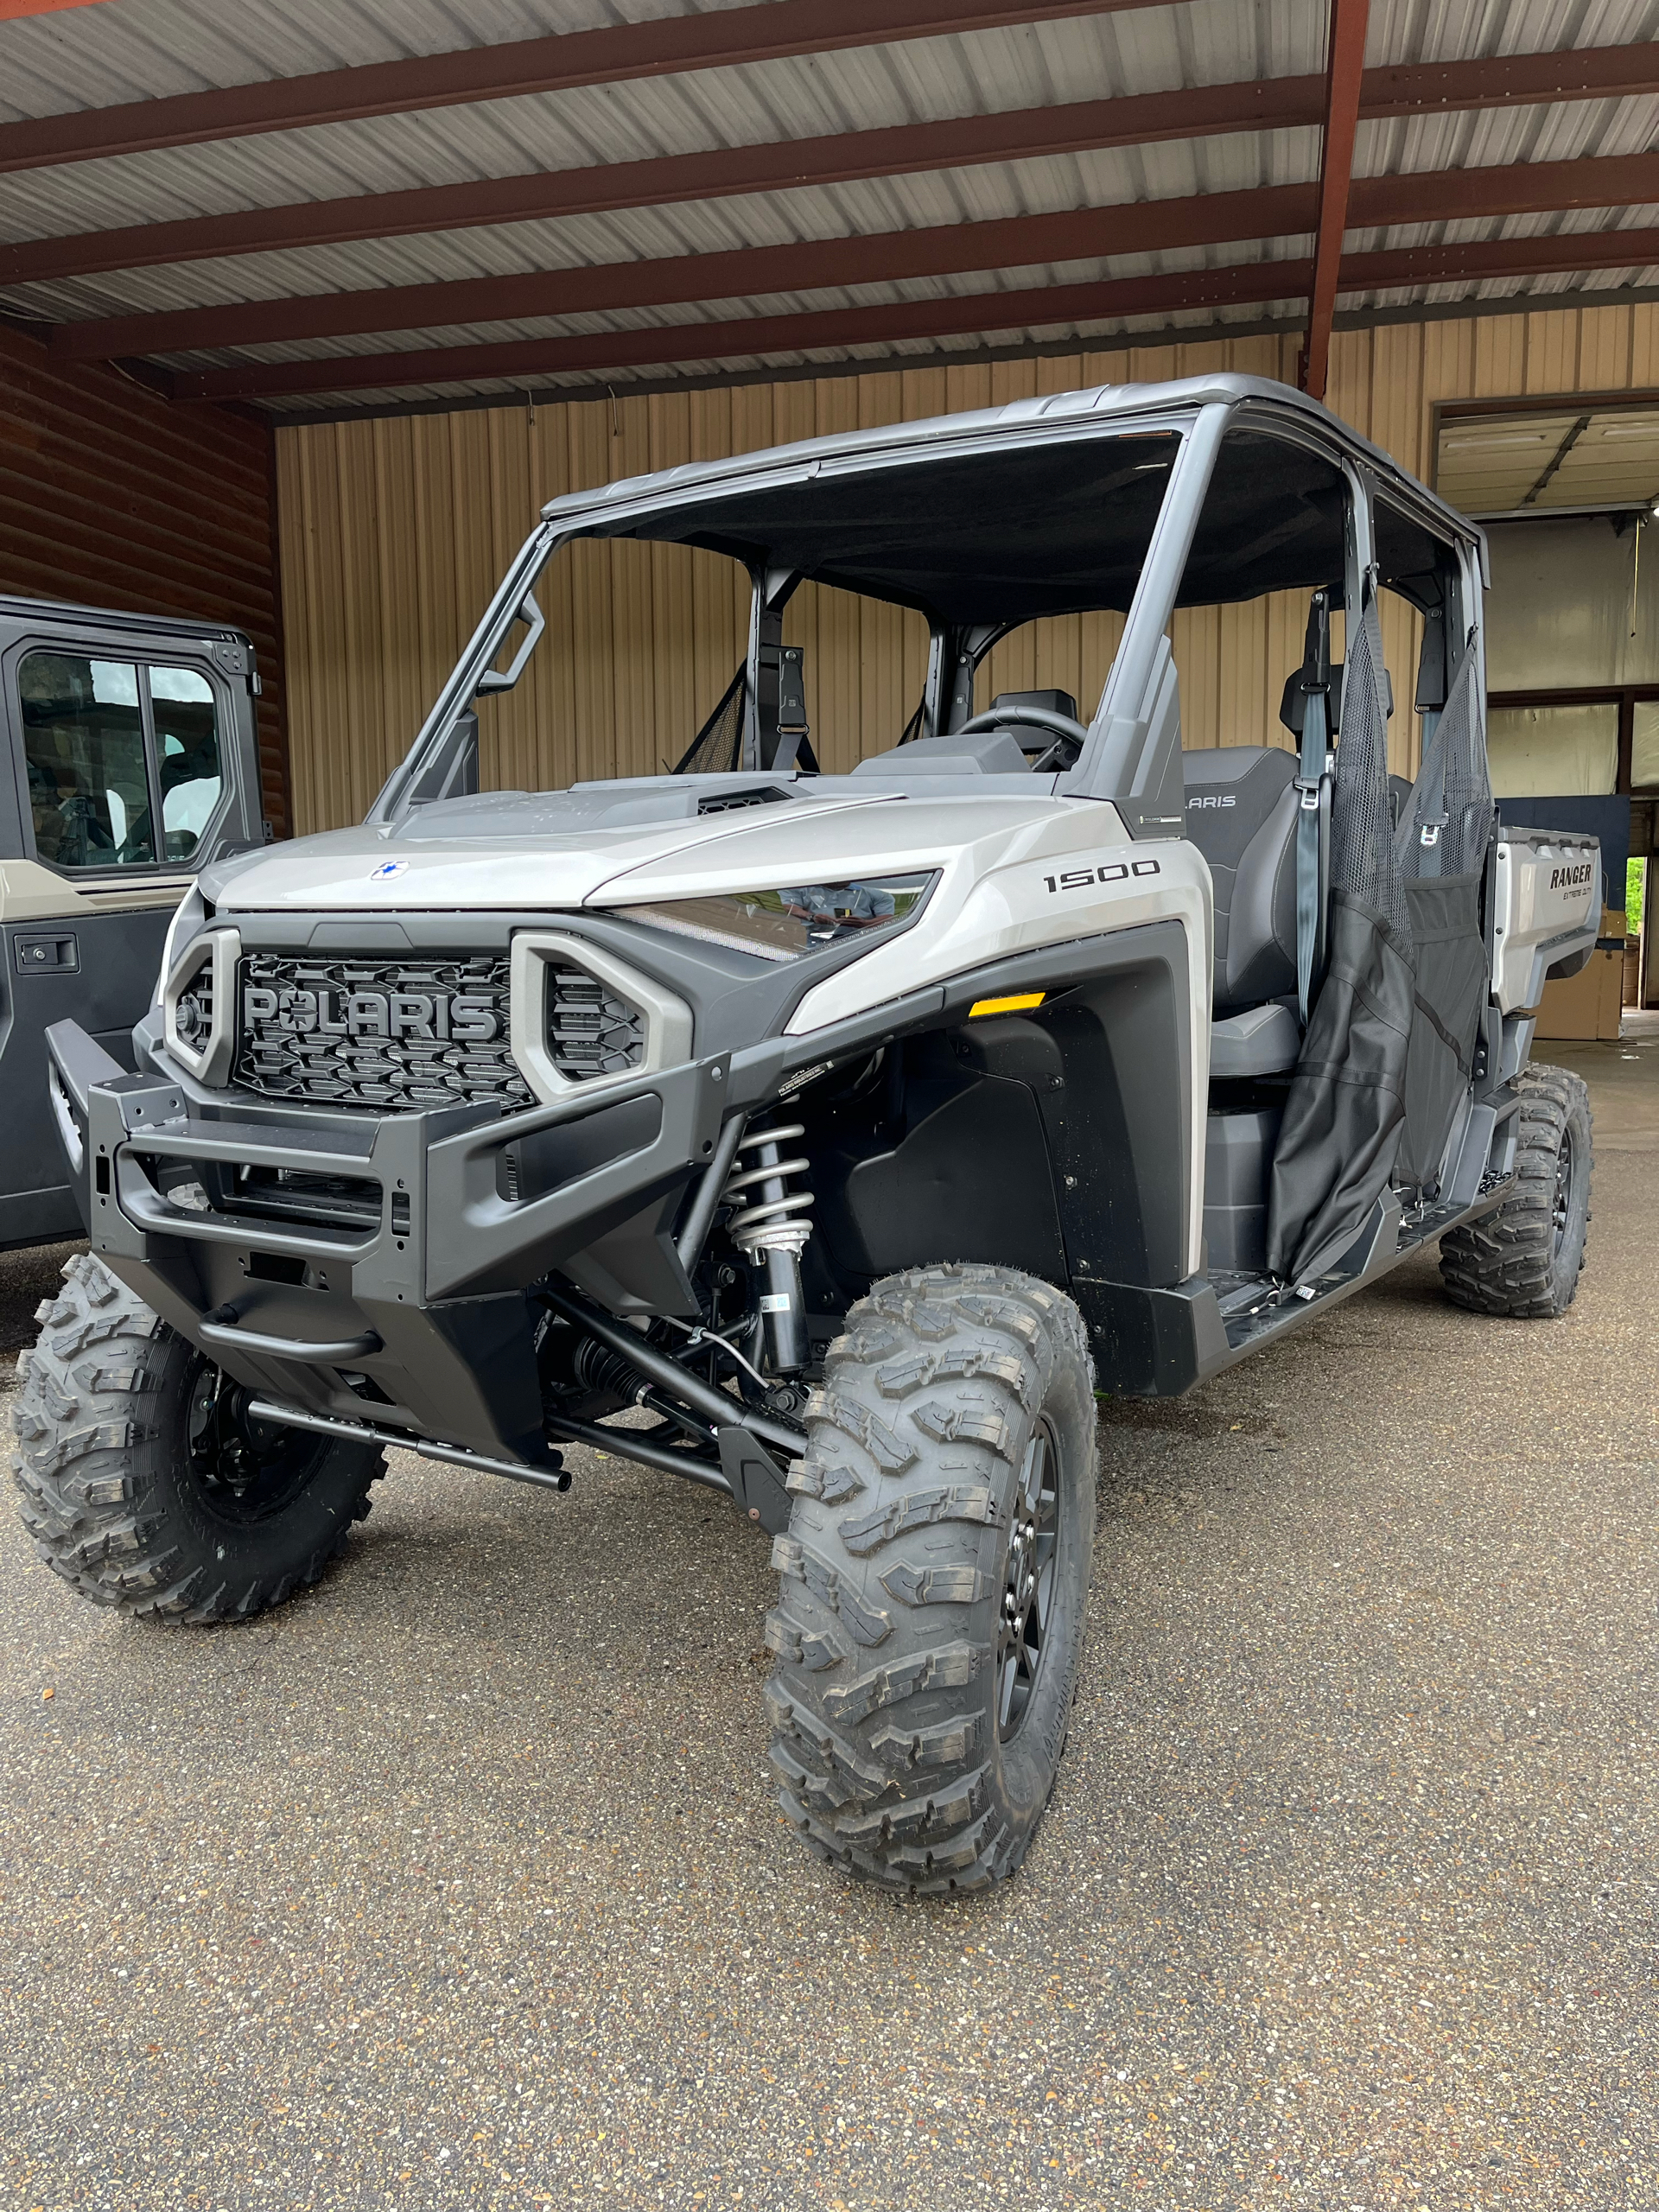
(104, 55)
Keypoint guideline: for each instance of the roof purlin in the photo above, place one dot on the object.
(1007, 242)
(615, 54)
(901, 150)
(1250, 284)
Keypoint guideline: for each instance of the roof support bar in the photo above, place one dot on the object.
(721, 38)
(1133, 753)
(884, 257)
(1345, 70)
(1252, 284)
(905, 149)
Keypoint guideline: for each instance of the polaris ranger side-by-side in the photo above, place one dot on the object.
(848, 1130)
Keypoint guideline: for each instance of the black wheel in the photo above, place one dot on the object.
(142, 1483)
(1525, 1259)
(934, 1579)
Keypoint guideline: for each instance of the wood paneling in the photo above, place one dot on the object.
(111, 497)
(395, 532)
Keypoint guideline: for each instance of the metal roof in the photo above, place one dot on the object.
(107, 55)
(1112, 407)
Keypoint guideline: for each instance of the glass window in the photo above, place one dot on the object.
(187, 742)
(1644, 751)
(84, 748)
(93, 780)
(1554, 751)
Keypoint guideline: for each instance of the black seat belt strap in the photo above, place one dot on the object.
(1312, 786)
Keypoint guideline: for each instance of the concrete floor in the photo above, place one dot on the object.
(458, 1883)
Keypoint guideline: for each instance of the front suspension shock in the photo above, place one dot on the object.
(768, 1225)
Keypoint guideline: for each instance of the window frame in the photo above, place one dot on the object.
(1624, 697)
(142, 659)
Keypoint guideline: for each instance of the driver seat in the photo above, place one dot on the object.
(1241, 814)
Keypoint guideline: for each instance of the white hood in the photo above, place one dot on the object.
(503, 850)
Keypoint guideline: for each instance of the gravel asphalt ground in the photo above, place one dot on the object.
(458, 1883)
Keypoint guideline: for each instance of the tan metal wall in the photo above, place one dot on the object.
(394, 532)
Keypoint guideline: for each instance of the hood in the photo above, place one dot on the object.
(519, 849)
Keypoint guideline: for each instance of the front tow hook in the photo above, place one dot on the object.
(222, 1326)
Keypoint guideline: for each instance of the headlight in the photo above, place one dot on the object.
(188, 919)
(795, 919)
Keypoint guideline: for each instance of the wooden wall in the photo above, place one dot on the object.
(111, 497)
(395, 532)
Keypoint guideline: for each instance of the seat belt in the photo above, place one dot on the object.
(794, 728)
(1313, 786)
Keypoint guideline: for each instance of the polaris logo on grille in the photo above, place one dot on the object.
(436, 1015)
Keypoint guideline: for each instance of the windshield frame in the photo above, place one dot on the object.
(1133, 719)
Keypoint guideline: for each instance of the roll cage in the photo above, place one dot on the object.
(747, 507)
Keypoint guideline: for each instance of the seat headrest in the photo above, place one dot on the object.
(1293, 706)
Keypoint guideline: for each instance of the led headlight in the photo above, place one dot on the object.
(188, 917)
(795, 919)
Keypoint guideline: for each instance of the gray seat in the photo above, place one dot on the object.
(1241, 814)
(1262, 1040)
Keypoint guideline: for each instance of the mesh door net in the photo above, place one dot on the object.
(1440, 851)
(717, 748)
(1345, 1109)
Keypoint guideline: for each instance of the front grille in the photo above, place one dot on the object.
(396, 1035)
(591, 1030)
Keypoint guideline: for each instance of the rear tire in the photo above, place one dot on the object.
(934, 1579)
(1524, 1259)
(142, 1487)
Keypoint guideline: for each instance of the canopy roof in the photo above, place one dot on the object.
(1013, 531)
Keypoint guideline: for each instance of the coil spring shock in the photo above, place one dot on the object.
(767, 1215)
(768, 1225)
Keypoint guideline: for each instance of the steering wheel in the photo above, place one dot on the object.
(1070, 737)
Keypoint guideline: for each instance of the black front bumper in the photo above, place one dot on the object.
(393, 1253)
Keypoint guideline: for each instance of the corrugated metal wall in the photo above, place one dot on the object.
(111, 497)
(395, 532)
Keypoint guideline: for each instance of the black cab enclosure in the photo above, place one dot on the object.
(130, 758)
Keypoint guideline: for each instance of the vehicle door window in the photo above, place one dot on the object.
(84, 748)
(186, 749)
(108, 746)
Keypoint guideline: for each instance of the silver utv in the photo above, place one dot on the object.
(854, 1128)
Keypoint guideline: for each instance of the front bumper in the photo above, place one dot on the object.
(401, 1287)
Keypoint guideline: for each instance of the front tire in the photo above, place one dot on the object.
(142, 1484)
(1524, 1260)
(934, 1575)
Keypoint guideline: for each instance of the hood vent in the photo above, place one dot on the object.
(728, 802)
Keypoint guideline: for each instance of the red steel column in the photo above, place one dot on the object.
(1344, 71)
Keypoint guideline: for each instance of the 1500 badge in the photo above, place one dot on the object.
(1083, 879)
